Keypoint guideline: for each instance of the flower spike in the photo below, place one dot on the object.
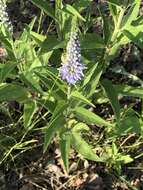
(72, 69)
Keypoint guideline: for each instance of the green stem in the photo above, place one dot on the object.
(118, 25)
(68, 101)
(40, 21)
(69, 92)
(58, 14)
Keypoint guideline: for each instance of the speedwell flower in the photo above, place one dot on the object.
(72, 68)
(4, 18)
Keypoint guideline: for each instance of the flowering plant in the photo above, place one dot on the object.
(62, 99)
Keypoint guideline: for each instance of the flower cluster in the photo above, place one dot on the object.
(4, 18)
(72, 69)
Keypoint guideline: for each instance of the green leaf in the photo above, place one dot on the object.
(92, 78)
(138, 21)
(113, 97)
(10, 92)
(8, 44)
(138, 39)
(37, 37)
(89, 74)
(51, 43)
(47, 104)
(114, 11)
(90, 117)
(88, 41)
(73, 11)
(80, 127)
(100, 97)
(131, 15)
(77, 95)
(65, 141)
(6, 69)
(57, 122)
(59, 17)
(52, 82)
(81, 145)
(123, 38)
(130, 123)
(61, 106)
(126, 90)
(32, 82)
(114, 149)
(91, 41)
(25, 50)
(106, 26)
(30, 108)
(44, 58)
(25, 36)
(135, 31)
(81, 4)
(45, 7)
(126, 159)
(114, 2)
(36, 63)
(69, 24)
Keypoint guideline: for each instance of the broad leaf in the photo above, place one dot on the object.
(6, 69)
(90, 117)
(38, 37)
(130, 123)
(73, 11)
(32, 82)
(81, 145)
(10, 92)
(51, 43)
(57, 122)
(91, 41)
(77, 95)
(93, 79)
(113, 97)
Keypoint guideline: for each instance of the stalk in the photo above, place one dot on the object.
(58, 14)
(118, 25)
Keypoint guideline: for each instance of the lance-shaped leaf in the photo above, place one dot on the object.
(43, 5)
(90, 117)
(113, 97)
(57, 122)
(77, 95)
(65, 141)
(10, 92)
(81, 145)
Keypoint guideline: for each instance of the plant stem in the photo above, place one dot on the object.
(69, 92)
(40, 21)
(58, 14)
(118, 25)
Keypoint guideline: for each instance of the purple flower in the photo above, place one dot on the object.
(72, 69)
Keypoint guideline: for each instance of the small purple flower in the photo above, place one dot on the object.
(72, 69)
